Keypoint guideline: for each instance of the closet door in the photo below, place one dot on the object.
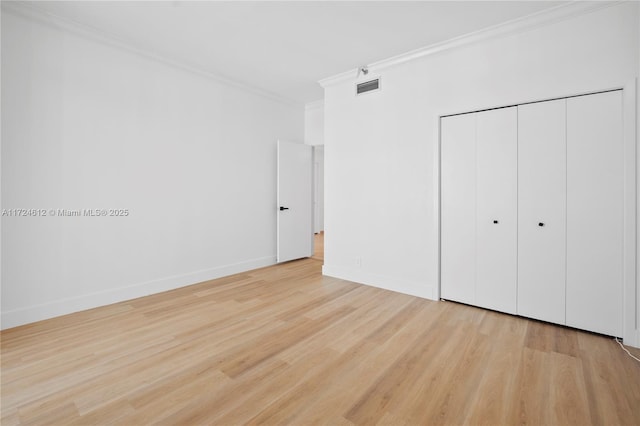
(595, 212)
(458, 205)
(542, 193)
(496, 209)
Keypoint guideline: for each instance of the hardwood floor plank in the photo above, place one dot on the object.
(451, 395)
(304, 308)
(341, 338)
(160, 403)
(373, 403)
(363, 363)
(113, 413)
(534, 394)
(62, 414)
(603, 373)
(9, 417)
(285, 345)
(571, 406)
(243, 401)
(566, 341)
(500, 381)
(244, 358)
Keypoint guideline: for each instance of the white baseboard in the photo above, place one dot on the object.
(400, 285)
(59, 307)
(632, 338)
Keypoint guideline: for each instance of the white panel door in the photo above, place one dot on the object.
(496, 209)
(295, 201)
(542, 196)
(595, 212)
(458, 206)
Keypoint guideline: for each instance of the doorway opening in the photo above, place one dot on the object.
(318, 202)
(318, 247)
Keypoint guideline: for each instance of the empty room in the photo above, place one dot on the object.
(320, 212)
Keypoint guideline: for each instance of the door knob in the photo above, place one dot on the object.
(495, 221)
(540, 223)
(284, 208)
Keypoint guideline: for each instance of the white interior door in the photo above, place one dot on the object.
(595, 202)
(542, 194)
(295, 201)
(458, 208)
(496, 209)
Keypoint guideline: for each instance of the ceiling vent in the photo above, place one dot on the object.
(368, 86)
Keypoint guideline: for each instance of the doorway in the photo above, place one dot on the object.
(318, 201)
(318, 247)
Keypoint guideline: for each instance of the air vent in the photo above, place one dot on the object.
(368, 86)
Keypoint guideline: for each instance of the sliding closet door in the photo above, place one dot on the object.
(595, 212)
(458, 205)
(496, 209)
(542, 193)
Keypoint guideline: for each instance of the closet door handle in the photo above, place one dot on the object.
(495, 221)
(540, 223)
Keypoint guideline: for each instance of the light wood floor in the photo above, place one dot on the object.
(284, 345)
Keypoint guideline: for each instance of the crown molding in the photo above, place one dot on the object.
(518, 25)
(29, 11)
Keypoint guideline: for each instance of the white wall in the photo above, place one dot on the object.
(314, 135)
(314, 123)
(381, 149)
(91, 126)
(638, 187)
(1, 203)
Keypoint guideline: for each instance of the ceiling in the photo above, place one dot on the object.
(285, 47)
